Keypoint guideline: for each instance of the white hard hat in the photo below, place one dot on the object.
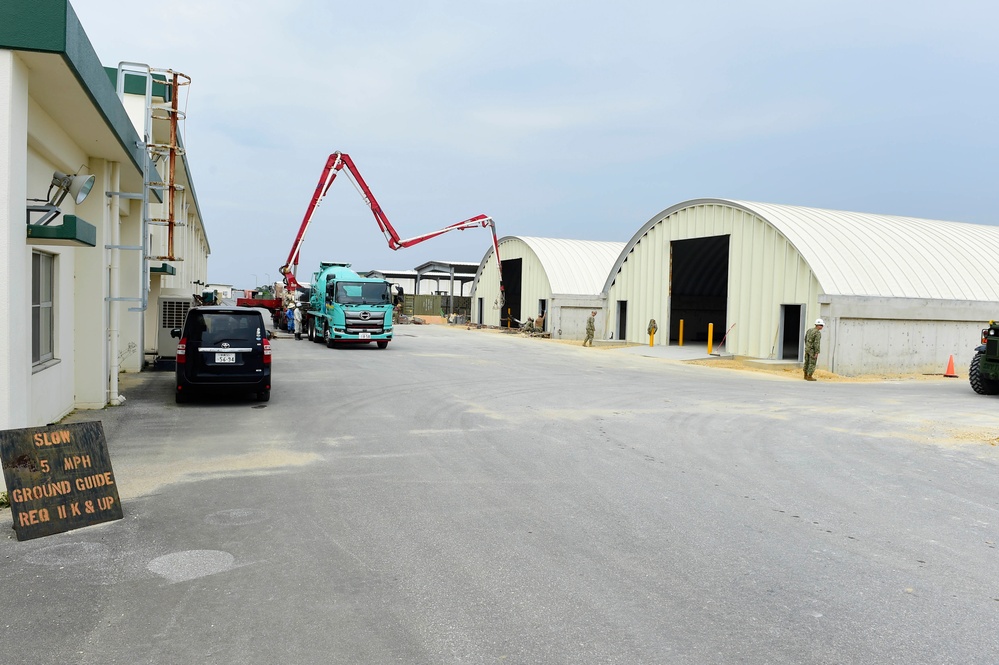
(819, 322)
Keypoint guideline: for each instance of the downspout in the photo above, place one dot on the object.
(114, 215)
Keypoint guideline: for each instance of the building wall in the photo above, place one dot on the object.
(534, 284)
(568, 314)
(865, 335)
(52, 383)
(224, 290)
(96, 333)
(15, 257)
(132, 329)
(91, 323)
(764, 271)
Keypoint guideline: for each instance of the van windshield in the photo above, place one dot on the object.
(362, 293)
(216, 327)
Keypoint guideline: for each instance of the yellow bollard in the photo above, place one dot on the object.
(681, 333)
(653, 327)
(711, 334)
(652, 339)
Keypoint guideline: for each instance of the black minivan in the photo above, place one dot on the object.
(223, 349)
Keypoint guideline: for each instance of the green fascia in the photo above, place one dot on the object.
(72, 231)
(51, 26)
(136, 85)
(163, 269)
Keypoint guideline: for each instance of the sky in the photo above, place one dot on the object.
(558, 118)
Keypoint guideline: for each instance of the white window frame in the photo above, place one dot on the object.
(43, 274)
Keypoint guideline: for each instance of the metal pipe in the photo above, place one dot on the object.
(114, 279)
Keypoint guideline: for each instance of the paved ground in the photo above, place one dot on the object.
(474, 497)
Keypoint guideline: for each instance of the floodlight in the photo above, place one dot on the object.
(77, 185)
(62, 185)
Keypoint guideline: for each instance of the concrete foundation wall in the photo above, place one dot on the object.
(865, 335)
(567, 316)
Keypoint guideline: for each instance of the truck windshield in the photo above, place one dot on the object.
(362, 293)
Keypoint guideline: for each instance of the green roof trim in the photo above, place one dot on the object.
(163, 269)
(136, 85)
(51, 26)
(72, 231)
(33, 26)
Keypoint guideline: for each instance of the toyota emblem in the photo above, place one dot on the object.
(225, 345)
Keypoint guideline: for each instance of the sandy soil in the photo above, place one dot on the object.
(742, 364)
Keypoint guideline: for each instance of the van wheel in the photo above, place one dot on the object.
(264, 396)
(181, 397)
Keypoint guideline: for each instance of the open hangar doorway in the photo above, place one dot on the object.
(698, 288)
(513, 270)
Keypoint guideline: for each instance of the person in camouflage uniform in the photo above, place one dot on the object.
(813, 340)
(591, 328)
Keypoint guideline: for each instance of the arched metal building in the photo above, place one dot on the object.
(898, 294)
(560, 278)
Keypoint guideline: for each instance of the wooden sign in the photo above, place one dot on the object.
(59, 478)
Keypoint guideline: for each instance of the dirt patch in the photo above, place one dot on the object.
(745, 364)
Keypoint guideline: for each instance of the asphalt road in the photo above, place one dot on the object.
(474, 497)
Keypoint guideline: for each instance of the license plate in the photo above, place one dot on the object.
(225, 358)
(364, 335)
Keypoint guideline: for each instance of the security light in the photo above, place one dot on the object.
(77, 185)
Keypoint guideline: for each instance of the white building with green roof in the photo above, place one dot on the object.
(81, 272)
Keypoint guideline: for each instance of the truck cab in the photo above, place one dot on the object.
(347, 308)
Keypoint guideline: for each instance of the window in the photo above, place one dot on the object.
(42, 280)
(362, 293)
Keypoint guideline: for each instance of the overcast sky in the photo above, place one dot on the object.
(561, 118)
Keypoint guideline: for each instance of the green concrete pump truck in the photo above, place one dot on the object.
(347, 308)
(984, 371)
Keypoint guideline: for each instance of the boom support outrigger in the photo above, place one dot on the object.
(339, 161)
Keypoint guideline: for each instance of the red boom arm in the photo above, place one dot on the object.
(337, 162)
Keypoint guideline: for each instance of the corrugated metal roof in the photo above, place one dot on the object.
(574, 266)
(880, 255)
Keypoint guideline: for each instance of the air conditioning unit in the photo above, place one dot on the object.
(172, 312)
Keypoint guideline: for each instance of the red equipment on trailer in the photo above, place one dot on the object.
(339, 161)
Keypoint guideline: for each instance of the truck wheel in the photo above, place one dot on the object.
(382, 343)
(981, 384)
(327, 336)
(311, 330)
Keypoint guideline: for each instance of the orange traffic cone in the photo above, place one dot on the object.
(950, 368)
